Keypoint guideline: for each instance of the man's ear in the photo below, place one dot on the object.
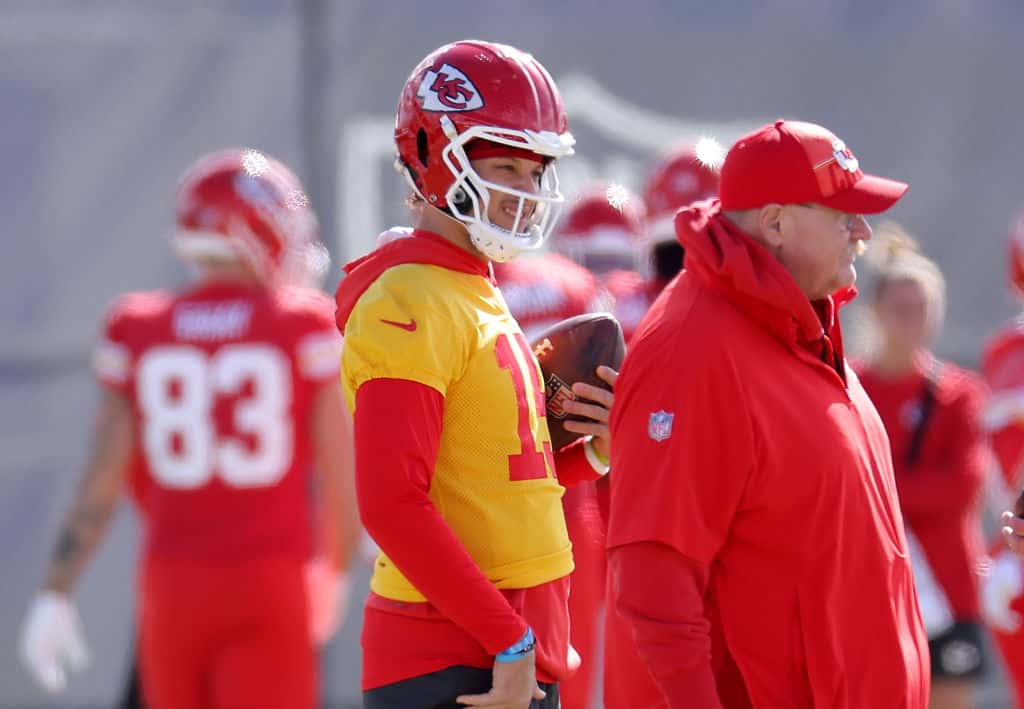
(769, 219)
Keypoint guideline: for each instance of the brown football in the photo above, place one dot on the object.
(570, 351)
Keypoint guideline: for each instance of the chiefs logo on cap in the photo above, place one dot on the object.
(846, 159)
(448, 89)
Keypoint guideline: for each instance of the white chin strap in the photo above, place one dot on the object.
(502, 245)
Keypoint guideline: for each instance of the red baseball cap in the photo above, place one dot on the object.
(792, 162)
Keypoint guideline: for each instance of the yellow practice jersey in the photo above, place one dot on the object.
(494, 482)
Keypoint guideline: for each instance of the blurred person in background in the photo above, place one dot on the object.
(545, 288)
(1003, 369)
(685, 175)
(219, 401)
(753, 479)
(932, 412)
(604, 231)
(540, 291)
(455, 474)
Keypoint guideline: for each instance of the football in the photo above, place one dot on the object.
(570, 351)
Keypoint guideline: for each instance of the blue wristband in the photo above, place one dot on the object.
(519, 650)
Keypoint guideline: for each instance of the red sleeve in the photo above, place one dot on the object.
(955, 482)
(666, 612)
(572, 466)
(1008, 449)
(684, 449)
(683, 453)
(395, 458)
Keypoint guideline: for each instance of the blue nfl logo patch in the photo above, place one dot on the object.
(659, 426)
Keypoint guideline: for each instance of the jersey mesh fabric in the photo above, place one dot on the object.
(494, 480)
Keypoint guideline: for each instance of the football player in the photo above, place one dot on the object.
(218, 403)
(605, 232)
(1003, 369)
(455, 474)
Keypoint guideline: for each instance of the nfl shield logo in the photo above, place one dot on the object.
(659, 426)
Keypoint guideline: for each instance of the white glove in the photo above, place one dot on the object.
(999, 588)
(52, 642)
(327, 590)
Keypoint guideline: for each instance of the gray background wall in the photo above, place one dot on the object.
(103, 103)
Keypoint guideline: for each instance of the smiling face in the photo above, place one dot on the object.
(516, 173)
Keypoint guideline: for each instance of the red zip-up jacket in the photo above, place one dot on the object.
(756, 545)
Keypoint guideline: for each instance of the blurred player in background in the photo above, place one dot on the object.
(454, 469)
(676, 180)
(540, 291)
(546, 288)
(604, 232)
(932, 412)
(219, 401)
(1003, 369)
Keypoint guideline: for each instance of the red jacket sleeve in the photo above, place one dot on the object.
(954, 483)
(683, 453)
(395, 458)
(666, 612)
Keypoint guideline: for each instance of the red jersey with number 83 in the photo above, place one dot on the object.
(221, 378)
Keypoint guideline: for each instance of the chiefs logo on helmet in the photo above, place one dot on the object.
(448, 89)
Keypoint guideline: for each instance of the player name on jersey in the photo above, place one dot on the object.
(212, 320)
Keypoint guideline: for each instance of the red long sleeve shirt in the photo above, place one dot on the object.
(467, 620)
(939, 494)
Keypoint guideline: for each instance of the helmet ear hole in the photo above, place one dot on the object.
(422, 149)
(461, 200)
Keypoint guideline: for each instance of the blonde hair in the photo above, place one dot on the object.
(895, 256)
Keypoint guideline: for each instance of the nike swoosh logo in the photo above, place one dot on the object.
(407, 326)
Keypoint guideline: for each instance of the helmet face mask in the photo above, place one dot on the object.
(479, 91)
(469, 199)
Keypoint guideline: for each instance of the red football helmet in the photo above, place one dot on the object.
(243, 204)
(1016, 254)
(602, 229)
(676, 181)
(473, 90)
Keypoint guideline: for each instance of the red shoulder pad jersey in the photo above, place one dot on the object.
(221, 379)
(939, 495)
(1002, 367)
(756, 546)
(542, 290)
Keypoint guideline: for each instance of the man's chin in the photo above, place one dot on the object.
(846, 277)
